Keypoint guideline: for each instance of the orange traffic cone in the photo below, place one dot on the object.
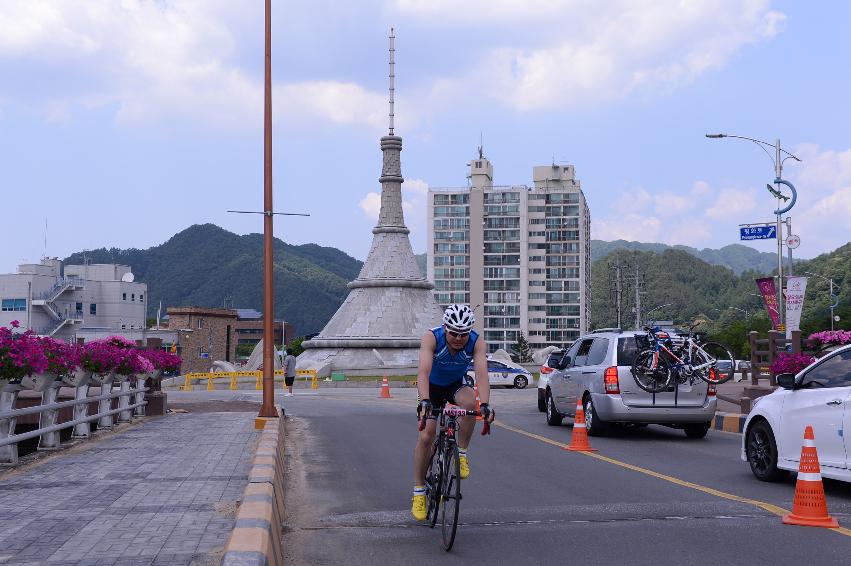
(579, 441)
(385, 389)
(478, 403)
(809, 507)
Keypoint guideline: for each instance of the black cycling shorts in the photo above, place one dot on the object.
(439, 395)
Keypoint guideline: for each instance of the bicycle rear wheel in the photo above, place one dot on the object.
(434, 479)
(720, 370)
(451, 500)
(651, 373)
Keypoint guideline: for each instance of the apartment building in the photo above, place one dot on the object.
(79, 301)
(519, 255)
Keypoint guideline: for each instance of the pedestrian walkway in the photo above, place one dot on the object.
(163, 492)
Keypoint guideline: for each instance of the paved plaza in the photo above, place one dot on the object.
(162, 492)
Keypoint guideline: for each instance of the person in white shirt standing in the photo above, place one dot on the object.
(289, 372)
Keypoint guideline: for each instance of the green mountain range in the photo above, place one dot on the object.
(207, 266)
(737, 257)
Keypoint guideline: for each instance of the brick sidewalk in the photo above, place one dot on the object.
(163, 492)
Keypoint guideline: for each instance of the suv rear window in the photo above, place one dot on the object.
(554, 358)
(628, 347)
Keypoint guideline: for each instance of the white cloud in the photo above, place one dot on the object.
(730, 203)
(177, 61)
(371, 205)
(822, 214)
(611, 50)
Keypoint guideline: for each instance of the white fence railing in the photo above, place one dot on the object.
(131, 403)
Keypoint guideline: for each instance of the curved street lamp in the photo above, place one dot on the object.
(778, 159)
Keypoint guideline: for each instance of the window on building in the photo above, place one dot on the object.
(141, 297)
(78, 307)
(200, 322)
(14, 305)
(123, 296)
(93, 308)
(133, 297)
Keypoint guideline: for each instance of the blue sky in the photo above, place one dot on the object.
(124, 122)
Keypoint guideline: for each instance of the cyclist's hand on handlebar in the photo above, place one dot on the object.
(488, 414)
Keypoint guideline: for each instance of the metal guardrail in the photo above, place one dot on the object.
(131, 403)
(60, 283)
(233, 375)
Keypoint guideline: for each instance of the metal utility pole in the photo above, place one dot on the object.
(834, 299)
(618, 286)
(267, 409)
(639, 280)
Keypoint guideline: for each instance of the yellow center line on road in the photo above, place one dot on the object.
(771, 508)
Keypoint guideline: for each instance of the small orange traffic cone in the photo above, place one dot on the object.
(579, 440)
(809, 507)
(385, 389)
(478, 403)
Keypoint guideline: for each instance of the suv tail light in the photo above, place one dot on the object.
(713, 376)
(610, 380)
(546, 369)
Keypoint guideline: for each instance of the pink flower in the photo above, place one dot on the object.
(790, 363)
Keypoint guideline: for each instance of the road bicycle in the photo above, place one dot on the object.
(443, 476)
(676, 359)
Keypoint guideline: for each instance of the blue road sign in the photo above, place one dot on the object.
(757, 232)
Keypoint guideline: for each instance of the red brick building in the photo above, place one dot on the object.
(204, 335)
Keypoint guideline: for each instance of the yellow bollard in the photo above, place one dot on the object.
(314, 383)
(258, 385)
(233, 382)
(187, 383)
(210, 386)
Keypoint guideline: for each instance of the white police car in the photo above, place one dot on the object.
(504, 373)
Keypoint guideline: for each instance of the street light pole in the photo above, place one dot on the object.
(833, 298)
(778, 160)
(267, 409)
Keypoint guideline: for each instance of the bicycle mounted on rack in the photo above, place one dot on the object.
(668, 359)
(443, 475)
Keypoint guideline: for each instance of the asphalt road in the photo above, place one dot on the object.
(649, 496)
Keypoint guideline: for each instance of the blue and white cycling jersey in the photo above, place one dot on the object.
(445, 368)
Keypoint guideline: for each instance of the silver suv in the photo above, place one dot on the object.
(597, 371)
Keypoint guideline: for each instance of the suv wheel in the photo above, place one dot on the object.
(696, 430)
(554, 418)
(520, 382)
(761, 450)
(593, 424)
(542, 401)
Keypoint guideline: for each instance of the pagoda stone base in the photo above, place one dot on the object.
(360, 361)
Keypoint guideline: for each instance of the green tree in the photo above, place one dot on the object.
(522, 350)
(295, 344)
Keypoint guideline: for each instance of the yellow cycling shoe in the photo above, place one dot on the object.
(418, 507)
(465, 466)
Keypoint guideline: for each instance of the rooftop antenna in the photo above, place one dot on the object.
(392, 77)
(481, 147)
(45, 239)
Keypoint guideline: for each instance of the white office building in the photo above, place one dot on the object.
(88, 301)
(519, 255)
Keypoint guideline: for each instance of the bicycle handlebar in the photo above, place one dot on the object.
(457, 412)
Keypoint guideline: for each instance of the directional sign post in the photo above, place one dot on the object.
(758, 232)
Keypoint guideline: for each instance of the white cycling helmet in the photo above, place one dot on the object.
(459, 318)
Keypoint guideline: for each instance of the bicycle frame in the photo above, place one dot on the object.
(693, 349)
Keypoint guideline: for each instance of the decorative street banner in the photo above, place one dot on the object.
(769, 296)
(795, 289)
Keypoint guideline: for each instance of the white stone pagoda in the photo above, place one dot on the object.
(377, 330)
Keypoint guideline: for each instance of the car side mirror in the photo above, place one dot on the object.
(786, 380)
(565, 362)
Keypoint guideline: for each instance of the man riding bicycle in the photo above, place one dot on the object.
(445, 355)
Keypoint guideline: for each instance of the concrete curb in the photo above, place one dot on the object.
(729, 422)
(256, 539)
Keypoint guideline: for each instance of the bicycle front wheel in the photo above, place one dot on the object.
(434, 487)
(651, 372)
(718, 363)
(451, 500)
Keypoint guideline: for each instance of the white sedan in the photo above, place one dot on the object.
(503, 373)
(818, 396)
